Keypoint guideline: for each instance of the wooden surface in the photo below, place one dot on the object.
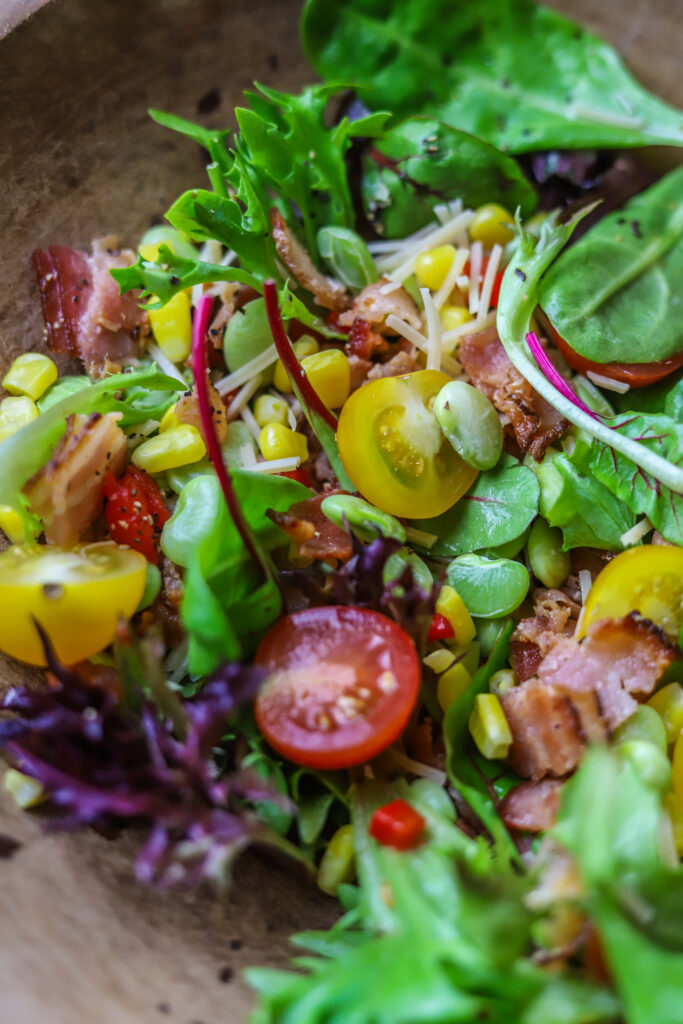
(80, 941)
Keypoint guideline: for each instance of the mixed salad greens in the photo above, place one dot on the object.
(362, 536)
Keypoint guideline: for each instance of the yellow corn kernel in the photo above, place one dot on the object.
(305, 346)
(279, 442)
(491, 225)
(172, 327)
(179, 446)
(432, 266)
(452, 606)
(439, 660)
(329, 376)
(677, 769)
(489, 726)
(30, 374)
(11, 524)
(338, 864)
(452, 684)
(150, 250)
(15, 413)
(454, 316)
(169, 420)
(270, 409)
(25, 791)
(675, 812)
(668, 703)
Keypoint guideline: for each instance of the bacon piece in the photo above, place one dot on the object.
(550, 726)
(532, 806)
(400, 363)
(533, 421)
(67, 492)
(328, 293)
(555, 616)
(363, 341)
(83, 311)
(374, 306)
(619, 659)
(358, 370)
(315, 535)
(187, 411)
(525, 657)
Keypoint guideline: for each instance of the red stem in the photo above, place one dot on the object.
(200, 327)
(546, 365)
(295, 370)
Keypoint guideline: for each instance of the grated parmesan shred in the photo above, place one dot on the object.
(442, 235)
(433, 330)
(164, 363)
(451, 279)
(620, 386)
(247, 416)
(246, 372)
(242, 397)
(476, 256)
(276, 465)
(636, 533)
(488, 282)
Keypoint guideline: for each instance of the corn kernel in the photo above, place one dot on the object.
(668, 703)
(675, 812)
(270, 409)
(452, 684)
(169, 420)
(30, 374)
(25, 791)
(279, 442)
(150, 250)
(329, 376)
(432, 266)
(15, 413)
(439, 660)
(452, 606)
(179, 446)
(338, 864)
(172, 327)
(491, 225)
(677, 769)
(454, 316)
(11, 524)
(489, 726)
(305, 346)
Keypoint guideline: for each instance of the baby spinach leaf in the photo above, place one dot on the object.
(642, 492)
(490, 587)
(497, 509)
(422, 162)
(616, 295)
(666, 396)
(519, 76)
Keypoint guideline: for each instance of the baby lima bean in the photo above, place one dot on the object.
(549, 563)
(471, 424)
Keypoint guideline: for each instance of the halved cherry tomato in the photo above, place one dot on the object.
(394, 450)
(497, 281)
(77, 596)
(647, 579)
(397, 824)
(302, 476)
(135, 511)
(638, 375)
(440, 628)
(342, 684)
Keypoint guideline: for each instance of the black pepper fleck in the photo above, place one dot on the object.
(520, 273)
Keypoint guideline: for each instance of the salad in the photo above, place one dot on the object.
(358, 532)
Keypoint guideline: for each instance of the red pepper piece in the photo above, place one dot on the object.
(440, 628)
(302, 475)
(397, 824)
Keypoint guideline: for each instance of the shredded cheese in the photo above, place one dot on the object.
(488, 282)
(246, 372)
(451, 279)
(407, 331)
(442, 235)
(247, 416)
(433, 330)
(163, 362)
(390, 286)
(585, 582)
(471, 327)
(421, 537)
(620, 386)
(242, 397)
(636, 533)
(476, 256)
(276, 465)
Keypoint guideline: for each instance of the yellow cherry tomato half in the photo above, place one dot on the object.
(394, 450)
(77, 595)
(647, 579)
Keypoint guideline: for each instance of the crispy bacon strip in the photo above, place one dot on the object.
(84, 313)
(374, 306)
(532, 806)
(328, 293)
(555, 616)
(400, 363)
(315, 535)
(67, 492)
(363, 341)
(533, 421)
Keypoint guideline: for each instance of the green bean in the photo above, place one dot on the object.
(396, 563)
(247, 336)
(490, 587)
(347, 256)
(650, 764)
(363, 519)
(643, 724)
(471, 424)
(172, 237)
(502, 681)
(152, 587)
(549, 563)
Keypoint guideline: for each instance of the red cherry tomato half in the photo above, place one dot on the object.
(440, 628)
(135, 511)
(397, 824)
(301, 475)
(497, 281)
(638, 375)
(341, 687)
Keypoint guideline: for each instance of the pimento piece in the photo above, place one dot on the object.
(497, 281)
(135, 511)
(397, 824)
(302, 476)
(440, 628)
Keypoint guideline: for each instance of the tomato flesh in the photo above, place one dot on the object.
(646, 579)
(397, 824)
(497, 281)
(135, 511)
(394, 451)
(341, 687)
(638, 375)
